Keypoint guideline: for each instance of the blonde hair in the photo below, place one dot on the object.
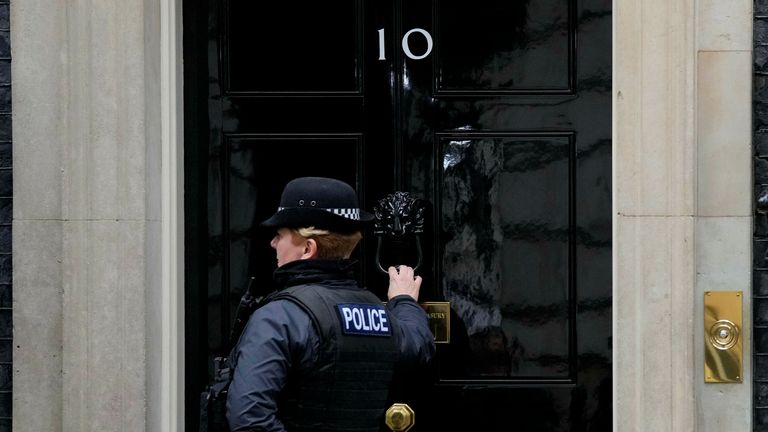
(331, 245)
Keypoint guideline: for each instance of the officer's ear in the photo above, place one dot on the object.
(310, 249)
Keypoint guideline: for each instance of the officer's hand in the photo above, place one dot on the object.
(402, 281)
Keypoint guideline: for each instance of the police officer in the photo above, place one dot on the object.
(320, 355)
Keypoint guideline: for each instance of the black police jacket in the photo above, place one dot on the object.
(320, 355)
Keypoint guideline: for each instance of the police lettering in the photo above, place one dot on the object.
(364, 319)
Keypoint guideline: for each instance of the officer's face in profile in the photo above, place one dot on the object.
(288, 245)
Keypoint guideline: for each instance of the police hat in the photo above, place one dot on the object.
(321, 202)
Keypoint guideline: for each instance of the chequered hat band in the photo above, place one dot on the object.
(348, 213)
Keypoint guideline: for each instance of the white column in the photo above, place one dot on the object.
(96, 216)
(654, 196)
(171, 344)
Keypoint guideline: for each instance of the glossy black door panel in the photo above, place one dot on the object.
(496, 113)
(284, 48)
(504, 47)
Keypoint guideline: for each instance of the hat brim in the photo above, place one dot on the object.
(302, 217)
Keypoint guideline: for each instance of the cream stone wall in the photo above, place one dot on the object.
(682, 207)
(723, 229)
(38, 222)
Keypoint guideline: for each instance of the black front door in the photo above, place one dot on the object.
(497, 114)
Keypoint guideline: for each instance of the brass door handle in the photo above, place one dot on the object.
(400, 417)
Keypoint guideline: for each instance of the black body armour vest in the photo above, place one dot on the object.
(348, 390)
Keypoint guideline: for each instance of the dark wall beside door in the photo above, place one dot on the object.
(6, 216)
(760, 152)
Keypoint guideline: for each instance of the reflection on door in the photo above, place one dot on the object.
(505, 218)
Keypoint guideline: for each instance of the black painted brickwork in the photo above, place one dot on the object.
(6, 215)
(760, 250)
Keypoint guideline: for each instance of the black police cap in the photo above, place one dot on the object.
(321, 202)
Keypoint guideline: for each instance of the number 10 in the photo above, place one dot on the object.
(406, 47)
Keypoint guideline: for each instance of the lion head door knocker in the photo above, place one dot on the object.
(399, 219)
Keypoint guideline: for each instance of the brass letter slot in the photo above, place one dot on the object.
(439, 315)
(722, 337)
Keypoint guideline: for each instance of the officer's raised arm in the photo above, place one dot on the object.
(416, 341)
